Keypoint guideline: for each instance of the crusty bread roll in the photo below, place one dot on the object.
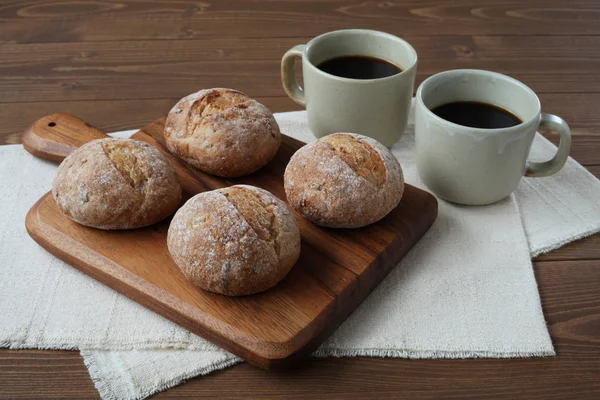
(344, 180)
(116, 184)
(235, 241)
(222, 132)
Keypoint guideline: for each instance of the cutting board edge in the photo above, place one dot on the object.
(105, 271)
(261, 352)
(274, 355)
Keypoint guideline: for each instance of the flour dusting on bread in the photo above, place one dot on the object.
(222, 132)
(116, 184)
(344, 181)
(236, 241)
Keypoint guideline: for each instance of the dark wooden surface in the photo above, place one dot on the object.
(118, 64)
(269, 329)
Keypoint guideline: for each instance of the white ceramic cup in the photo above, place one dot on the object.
(475, 166)
(377, 108)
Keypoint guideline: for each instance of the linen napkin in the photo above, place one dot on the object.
(466, 290)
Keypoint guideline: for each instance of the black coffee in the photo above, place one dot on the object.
(476, 115)
(359, 67)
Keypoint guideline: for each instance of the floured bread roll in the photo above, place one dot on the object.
(222, 132)
(235, 241)
(344, 180)
(116, 184)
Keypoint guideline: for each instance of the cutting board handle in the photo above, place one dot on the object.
(55, 136)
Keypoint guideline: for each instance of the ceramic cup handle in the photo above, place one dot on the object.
(288, 74)
(550, 167)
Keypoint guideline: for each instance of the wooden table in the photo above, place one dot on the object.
(120, 64)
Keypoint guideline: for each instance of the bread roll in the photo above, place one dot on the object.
(116, 184)
(235, 241)
(222, 132)
(344, 180)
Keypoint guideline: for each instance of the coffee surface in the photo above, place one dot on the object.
(476, 115)
(359, 67)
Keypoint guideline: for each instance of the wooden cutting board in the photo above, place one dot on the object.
(337, 269)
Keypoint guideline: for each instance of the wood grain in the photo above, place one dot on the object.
(138, 80)
(53, 71)
(577, 108)
(144, 52)
(580, 108)
(588, 249)
(582, 146)
(337, 269)
(55, 136)
(538, 31)
(58, 21)
(92, 79)
(124, 114)
(571, 305)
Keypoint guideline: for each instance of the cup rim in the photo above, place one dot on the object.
(419, 99)
(320, 37)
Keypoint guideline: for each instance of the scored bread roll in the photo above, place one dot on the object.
(116, 184)
(344, 180)
(236, 241)
(222, 132)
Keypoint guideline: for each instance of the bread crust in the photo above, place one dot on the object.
(116, 184)
(222, 132)
(235, 241)
(344, 180)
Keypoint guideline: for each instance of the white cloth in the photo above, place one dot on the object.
(466, 290)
